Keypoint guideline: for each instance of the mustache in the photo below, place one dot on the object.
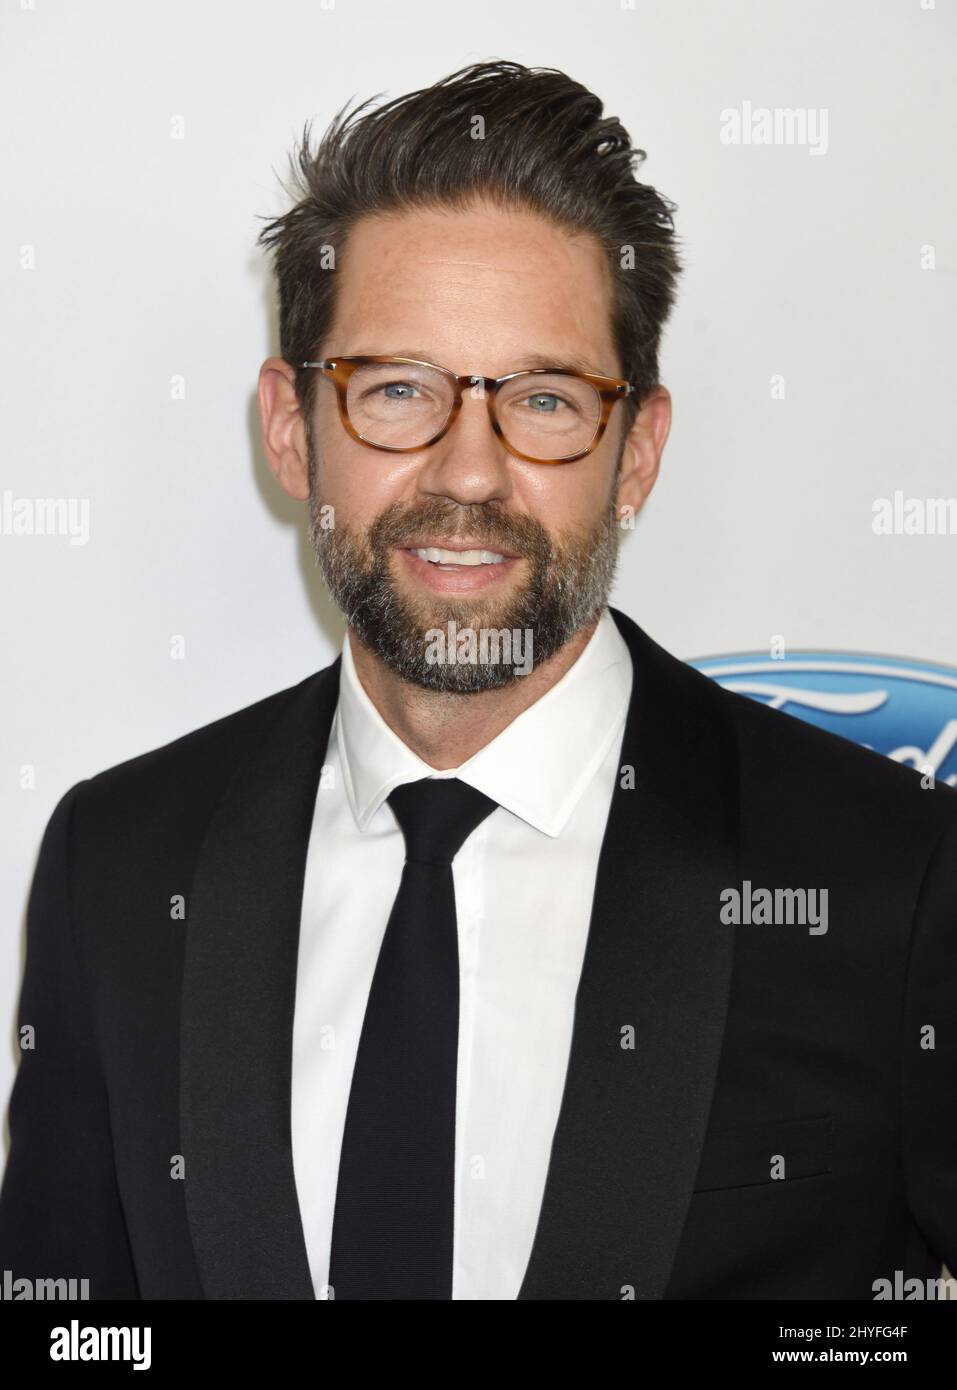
(484, 521)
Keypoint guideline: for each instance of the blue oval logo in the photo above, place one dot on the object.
(904, 709)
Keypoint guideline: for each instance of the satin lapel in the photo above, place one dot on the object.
(238, 1003)
(658, 961)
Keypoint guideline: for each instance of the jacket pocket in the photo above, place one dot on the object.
(776, 1151)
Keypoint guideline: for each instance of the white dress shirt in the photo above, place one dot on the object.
(524, 882)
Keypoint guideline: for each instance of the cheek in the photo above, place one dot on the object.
(360, 483)
(571, 496)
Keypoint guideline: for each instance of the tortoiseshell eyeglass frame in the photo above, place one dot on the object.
(339, 369)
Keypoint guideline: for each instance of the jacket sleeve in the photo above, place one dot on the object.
(60, 1210)
(929, 1055)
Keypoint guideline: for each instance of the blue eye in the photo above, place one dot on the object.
(548, 397)
(398, 386)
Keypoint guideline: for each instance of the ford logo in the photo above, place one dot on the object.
(904, 709)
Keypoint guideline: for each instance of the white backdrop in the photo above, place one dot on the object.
(140, 142)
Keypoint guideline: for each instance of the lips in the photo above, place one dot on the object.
(468, 577)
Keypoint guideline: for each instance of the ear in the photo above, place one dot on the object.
(642, 450)
(284, 429)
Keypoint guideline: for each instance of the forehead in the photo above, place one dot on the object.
(477, 287)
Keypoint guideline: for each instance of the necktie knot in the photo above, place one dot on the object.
(437, 815)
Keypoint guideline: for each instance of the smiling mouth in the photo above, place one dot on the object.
(457, 568)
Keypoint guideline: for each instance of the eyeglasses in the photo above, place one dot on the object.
(541, 415)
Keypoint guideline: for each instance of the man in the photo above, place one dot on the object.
(506, 957)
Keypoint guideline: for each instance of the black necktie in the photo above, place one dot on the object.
(392, 1229)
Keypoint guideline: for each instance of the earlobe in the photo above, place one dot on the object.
(292, 474)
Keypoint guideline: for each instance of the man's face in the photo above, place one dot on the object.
(478, 291)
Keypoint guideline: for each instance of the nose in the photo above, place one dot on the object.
(469, 463)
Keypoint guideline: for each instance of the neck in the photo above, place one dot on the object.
(444, 729)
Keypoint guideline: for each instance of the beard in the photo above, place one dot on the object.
(566, 587)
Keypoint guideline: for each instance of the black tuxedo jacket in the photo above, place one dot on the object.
(781, 1128)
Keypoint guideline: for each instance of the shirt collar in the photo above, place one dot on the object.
(537, 767)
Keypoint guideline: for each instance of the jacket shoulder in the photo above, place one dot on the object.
(197, 764)
(795, 756)
(789, 768)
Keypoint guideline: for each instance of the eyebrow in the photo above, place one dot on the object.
(528, 362)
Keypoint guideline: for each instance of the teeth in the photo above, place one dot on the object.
(459, 557)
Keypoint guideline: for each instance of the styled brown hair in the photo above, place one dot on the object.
(541, 145)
